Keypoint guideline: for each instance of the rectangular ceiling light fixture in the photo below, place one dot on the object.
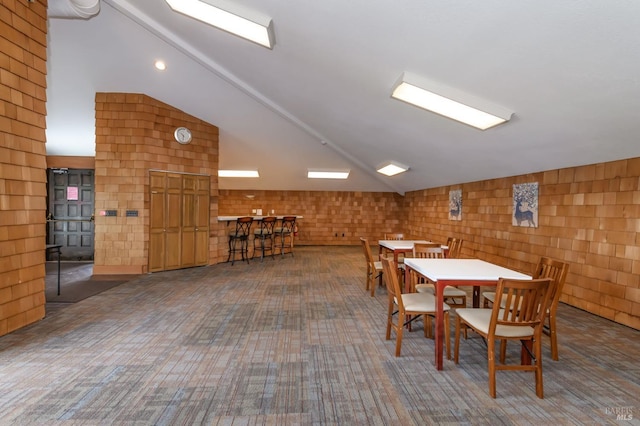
(238, 173)
(449, 102)
(328, 174)
(392, 168)
(260, 33)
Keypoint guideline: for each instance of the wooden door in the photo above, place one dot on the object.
(70, 217)
(179, 221)
(157, 246)
(202, 220)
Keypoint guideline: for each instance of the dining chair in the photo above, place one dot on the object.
(455, 248)
(498, 324)
(453, 296)
(394, 236)
(240, 236)
(264, 234)
(374, 267)
(283, 235)
(551, 268)
(408, 307)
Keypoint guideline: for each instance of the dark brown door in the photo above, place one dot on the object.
(70, 215)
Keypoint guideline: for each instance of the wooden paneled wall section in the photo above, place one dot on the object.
(23, 70)
(589, 215)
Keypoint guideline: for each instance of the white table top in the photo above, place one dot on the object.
(461, 269)
(400, 244)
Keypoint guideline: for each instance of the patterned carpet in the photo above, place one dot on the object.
(294, 340)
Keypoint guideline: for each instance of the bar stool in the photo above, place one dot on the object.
(263, 234)
(240, 236)
(284, 232)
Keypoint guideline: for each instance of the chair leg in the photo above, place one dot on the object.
(553, 336)
(456, 346)
(503, 351)
(447, 334)
(491, 360)
(399, 332)
(538, 354)
(390, 318)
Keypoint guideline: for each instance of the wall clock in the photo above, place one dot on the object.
(182, 135)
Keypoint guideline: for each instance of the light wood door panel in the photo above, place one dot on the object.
(179, 221)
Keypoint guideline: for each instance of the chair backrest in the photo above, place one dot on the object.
(428, 250)
(532, 298)
(394, 236)
(243, 225)
(555, 269)
(288, 223)
(455, 246)
(366, 248)
(391, 280)
(267, 224)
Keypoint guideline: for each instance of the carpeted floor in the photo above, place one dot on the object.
(290, 341)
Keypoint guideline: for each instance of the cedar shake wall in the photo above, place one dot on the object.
(23, 48)
(588, 216)
(330, 218)
(134, 133)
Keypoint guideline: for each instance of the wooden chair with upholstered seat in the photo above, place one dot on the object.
(455, 248)
(394, 236)
(408, 307)
(558, 271)
(454, 297)
(374, 267)
(524, 324)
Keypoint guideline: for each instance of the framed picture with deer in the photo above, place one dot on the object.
(455, 204)
(525, 205)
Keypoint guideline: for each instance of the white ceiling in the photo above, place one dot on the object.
(569, 70)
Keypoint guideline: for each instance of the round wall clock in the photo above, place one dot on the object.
(182, 135)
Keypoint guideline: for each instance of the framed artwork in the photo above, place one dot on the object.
(455, 204)
(525, 205)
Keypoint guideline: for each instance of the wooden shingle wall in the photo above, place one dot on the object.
(134, 133)
(589, 216)
(23, 49)
(330, 217)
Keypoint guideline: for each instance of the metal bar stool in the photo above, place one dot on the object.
(240, 236)
(285, 234)
(263, 234)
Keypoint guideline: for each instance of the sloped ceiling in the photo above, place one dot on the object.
(321, 98)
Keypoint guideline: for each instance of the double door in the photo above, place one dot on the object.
(179, 220)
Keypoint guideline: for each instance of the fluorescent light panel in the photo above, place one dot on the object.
(227, 21)
(449, 102)
(238, 173)
(328, 174)
(391, 168)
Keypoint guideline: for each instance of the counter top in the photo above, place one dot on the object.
(230, 218)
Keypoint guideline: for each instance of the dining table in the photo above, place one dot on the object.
(398, 247)
(456, 272)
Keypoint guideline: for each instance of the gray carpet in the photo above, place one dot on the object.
(290, 341)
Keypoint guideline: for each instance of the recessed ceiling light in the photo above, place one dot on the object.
(238, 173)
(391, 168)
(160, 65)
(260, 33)
(449, 102)
(328, 174)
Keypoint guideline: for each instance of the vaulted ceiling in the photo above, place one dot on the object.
(570, 72)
